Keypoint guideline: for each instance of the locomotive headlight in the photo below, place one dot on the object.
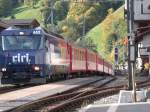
(36, 68)
(4, 69)
(21, 33)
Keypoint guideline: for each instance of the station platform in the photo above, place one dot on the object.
(126, 107)
(19, 97)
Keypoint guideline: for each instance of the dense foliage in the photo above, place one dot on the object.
(73, 20)
(5, 7)
(109, 34)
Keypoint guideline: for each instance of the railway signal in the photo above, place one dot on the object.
(116, 56)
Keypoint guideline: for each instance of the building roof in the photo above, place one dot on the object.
(140, 35)
(3, 25)
(142, 30)
(22, 22)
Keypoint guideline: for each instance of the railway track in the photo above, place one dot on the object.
(90, 97)
(55, 100)
(10, 88)
(74, 98)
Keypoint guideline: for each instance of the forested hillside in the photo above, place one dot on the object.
(74, 20)
(109, 34)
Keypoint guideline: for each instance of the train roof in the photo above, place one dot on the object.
(56, 35)
(35, 31)
(7, 32)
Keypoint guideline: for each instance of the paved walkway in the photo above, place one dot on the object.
(130, 107)
(16, 98)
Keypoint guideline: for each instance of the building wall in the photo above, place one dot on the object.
(146, 41)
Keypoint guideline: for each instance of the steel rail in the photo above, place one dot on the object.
(58, 98)
(74, 99)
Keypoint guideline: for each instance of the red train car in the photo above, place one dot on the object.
(100, 67)
(74, 59)
(110, 69)
(67, 58)
(91, 61)
(77, 59)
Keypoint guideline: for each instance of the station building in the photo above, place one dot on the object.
(141, 16)
(144, 46)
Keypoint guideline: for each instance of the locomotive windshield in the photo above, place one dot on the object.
(21, 42)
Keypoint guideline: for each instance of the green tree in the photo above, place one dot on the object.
(45, 11)
(61, 9)
(13, 17)
(30, 3)
(70, 33)
(120, 27)
(110, 42)
(27, 2)
(5, 7)
(87, 43)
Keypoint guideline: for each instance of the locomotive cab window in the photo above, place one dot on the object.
(21, 42)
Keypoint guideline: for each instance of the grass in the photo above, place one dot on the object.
(27, 12)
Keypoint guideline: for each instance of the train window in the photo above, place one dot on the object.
(52, 47)
(82, 56)
(73, 52)
(76, 54)
(57, 51)
(61, 49)
(63, 52)
(90, 57)
(21, 42)
(79, 55)
(47, 46)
